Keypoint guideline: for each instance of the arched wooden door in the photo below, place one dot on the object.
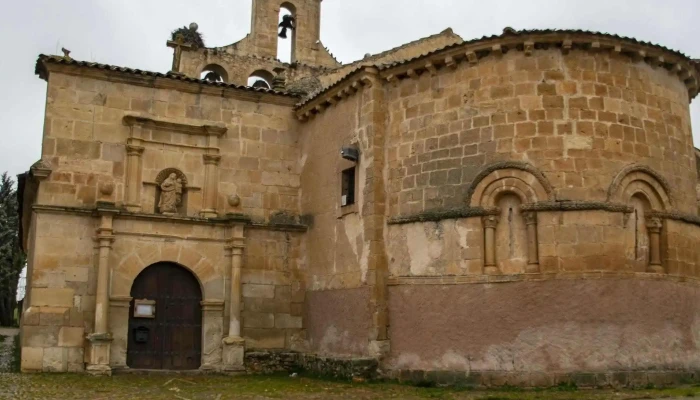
(165, 319)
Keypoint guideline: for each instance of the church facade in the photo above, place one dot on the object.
(516, 209)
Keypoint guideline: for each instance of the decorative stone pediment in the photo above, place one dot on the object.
(184, 153)
(142, 121)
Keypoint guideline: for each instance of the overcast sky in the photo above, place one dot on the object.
(133, 33)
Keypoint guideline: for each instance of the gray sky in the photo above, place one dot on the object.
(133, 33)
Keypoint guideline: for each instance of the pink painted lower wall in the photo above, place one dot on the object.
(338, 321)
(550, 326)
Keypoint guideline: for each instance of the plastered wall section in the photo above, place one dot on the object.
(579, 118)
(572, 241)
(337, 252)
(62, 287)
(337, 314)
(84, 139)
(546, 327)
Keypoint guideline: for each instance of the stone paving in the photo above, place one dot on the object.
(214, 387)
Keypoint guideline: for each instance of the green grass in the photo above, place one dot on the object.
(282, 386)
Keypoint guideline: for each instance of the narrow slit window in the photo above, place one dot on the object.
(347, 195)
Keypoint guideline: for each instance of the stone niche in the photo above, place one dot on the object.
(170, 192)
(175, 162)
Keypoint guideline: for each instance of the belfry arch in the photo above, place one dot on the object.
(286, 46)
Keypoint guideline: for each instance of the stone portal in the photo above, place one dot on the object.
(165, 319)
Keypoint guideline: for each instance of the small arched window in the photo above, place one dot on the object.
(214, 73)
(286, 42)
(261, 79)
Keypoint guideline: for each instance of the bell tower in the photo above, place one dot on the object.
(305, 37)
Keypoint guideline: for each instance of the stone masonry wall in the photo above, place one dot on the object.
(84, 139)
(579, 118)
(273, 291)
(62, 300)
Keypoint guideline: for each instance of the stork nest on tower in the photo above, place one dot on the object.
(191, 36)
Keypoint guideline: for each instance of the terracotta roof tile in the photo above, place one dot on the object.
(40, 70)
(508, 32)
(514, 33)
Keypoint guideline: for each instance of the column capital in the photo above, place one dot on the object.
(134, 150)
(530, 218)
(212, 305)
(654, 224)
(211, 159)
(491, 221)
(235, 246)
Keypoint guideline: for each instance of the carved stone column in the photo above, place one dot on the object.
(654, 226)
(234, 345)
(119, 323)
(211, 185)
(213, 325)
(533, 260)
(101, 338)
(490, 224)
(133, 176)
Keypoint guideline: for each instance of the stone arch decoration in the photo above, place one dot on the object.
(171, 192)
(638, 180)
(519, 178)
(641, 179)
(214, 73)
(131, 265)
(529, 185)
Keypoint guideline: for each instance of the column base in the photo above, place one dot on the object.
(657, 269)
(100, 344)
(208, 214)
(491, 270)
(99, 370)
(379, 348)
(532, 268)
(233, 354)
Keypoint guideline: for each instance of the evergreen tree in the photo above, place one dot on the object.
(11, 257)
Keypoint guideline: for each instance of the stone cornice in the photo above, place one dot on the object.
(137, 119)
(528, 42)
(224, 221)
(563, 206)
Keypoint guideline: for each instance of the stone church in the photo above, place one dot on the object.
(516, 209)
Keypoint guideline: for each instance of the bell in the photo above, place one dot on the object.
(283, 33)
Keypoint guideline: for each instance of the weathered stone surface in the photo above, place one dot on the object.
(71, 337)
(32, 358)
(523, 204)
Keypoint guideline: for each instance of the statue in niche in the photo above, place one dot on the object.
(170, 195)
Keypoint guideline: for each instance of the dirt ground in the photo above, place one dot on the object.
(17, 386)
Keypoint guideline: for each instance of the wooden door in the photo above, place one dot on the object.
(172, 339)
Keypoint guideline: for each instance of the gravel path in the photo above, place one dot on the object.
(7, 337)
